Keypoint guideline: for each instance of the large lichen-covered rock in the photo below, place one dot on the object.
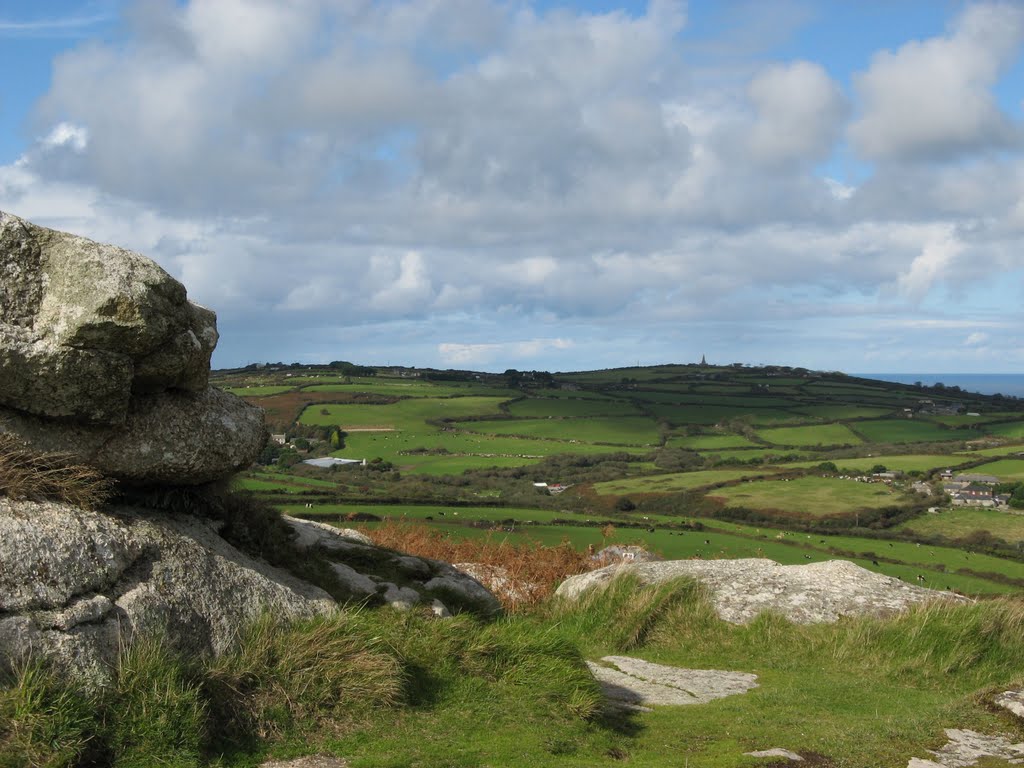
(175, 438)
(75, 584)
(742, 589)
(85, 325)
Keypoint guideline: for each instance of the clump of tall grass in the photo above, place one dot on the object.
(525, 574)
(35, 476)
(43, 720)
(937, 641)
(623, 615)
(319, 670)
(156, 713)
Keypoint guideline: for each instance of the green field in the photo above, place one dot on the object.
(1005, 469)
(564, 408)
(710, 442)
(407, 388)
(465, 450)
(1012, 429)
(958, 522)
(905, 431)
(1002, 450)
(747, 454)
(810, 495)
(842, 412)
(622, 430)
(405, 414)
(680, 415)
(895, 462)
(677, 481)
(818, 434)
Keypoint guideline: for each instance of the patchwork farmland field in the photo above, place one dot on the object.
(809, 495)
(818, 434)
(905, 431)
(404, 414)
(624, 431)
(962, 522)
(637, 447)
(682, 481)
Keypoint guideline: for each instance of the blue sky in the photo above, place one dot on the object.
(502, 183)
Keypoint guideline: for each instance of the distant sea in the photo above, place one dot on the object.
(982, 383)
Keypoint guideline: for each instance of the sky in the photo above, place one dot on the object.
(492, 184)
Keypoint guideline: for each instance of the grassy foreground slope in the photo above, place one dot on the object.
(384, 689)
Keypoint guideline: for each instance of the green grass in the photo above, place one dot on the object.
(958, 522)
(816, 496)
(405, 414)
(842, 412)
(465, 450)
(564, 408)
(746, 454)
(420, 513)
(963, 420)
(1005, 469)
(865, 693)
(677, 481)
(1013, 429)
(818, 434)
(407, 388)
(905, 431)
(624, 430)
(1012, 449)
(704, 415)
(710, 442)
(902, 463)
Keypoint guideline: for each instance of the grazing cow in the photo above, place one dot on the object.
(874, 562)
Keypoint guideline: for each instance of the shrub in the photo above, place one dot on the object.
(529, 571)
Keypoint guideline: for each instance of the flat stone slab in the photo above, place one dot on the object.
(776, 752)
(1012, 701)
(966, 748)
(637, 684)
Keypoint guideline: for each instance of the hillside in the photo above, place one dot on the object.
(685, 460)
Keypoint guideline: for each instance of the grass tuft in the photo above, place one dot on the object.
(286, 676)
(26, 474)
(156, 714)
(43, 721)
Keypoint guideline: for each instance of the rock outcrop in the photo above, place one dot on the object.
(379, 575)
(742, 589)
(966, 748)
(75, 584)
(103, 357)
